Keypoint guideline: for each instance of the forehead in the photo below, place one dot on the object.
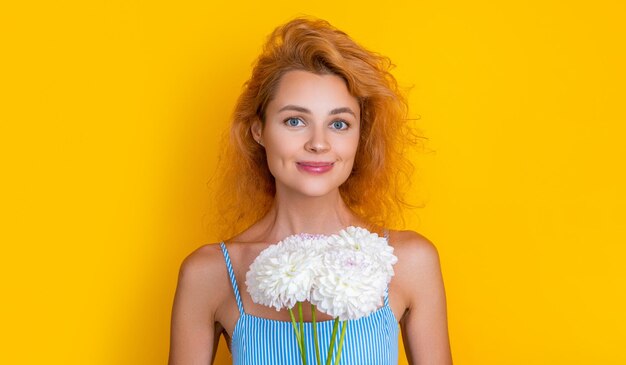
(317, 92)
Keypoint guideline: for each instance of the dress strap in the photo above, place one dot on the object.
(386, 300)
(231, 275)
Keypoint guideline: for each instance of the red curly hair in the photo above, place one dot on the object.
(373, 191)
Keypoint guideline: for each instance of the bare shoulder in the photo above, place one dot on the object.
(203, 270)
(202, 260)
(199, 293)
(418, 267)
(419, 295)
(413, 249)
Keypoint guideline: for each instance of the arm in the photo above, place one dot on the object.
(194, 334)
(424, 324)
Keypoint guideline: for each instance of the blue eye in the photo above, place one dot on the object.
(339, 125)
(293, 122)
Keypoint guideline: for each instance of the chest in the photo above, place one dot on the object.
(369, 340)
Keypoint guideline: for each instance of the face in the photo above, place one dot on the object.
(311, 133)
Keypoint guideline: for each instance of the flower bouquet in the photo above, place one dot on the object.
(344, 275)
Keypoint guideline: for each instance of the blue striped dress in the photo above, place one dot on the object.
(261, 341)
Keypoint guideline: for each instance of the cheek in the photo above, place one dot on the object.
(277, 149)
(349, 147)
(279, 154)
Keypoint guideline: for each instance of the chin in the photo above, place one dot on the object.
(313, 189)
(317, 192)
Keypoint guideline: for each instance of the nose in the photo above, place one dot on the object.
(317, 142)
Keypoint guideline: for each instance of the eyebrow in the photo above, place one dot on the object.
(307, 111)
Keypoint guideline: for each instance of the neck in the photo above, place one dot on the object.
(304, 214)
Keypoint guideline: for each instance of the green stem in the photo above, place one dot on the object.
(302, 333)
(315, 339)
(295, 330)
(332, 341)
(344, 325)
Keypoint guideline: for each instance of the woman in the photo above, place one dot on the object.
(317, 145)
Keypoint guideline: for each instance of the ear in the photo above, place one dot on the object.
(256, 129)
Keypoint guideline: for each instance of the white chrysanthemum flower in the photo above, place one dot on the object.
(355, 271)
(350, 285)
(284, 273)
(345, 275)
(360, 239)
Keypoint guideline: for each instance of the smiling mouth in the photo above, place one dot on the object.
(314, 167)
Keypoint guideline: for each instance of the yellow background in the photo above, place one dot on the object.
(111, 113)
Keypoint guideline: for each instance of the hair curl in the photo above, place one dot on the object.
(374, 190)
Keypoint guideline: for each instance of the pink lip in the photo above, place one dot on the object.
(315, 167)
